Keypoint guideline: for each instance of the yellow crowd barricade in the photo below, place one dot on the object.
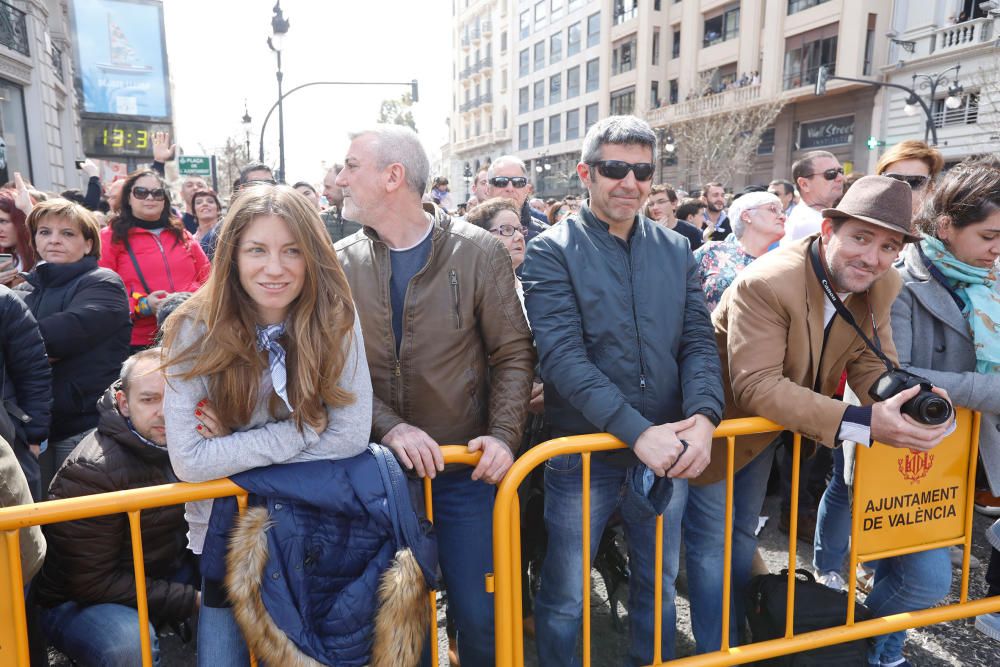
(14, 635)
(885, 477)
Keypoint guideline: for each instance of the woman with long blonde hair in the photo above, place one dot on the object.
(265, 365)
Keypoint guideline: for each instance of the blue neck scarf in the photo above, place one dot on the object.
(267, 339)
(977, 287)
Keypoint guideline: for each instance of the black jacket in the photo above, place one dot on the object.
(82, 312)
(89, 561)
(623, 335)
(25, 376)
(532, 225)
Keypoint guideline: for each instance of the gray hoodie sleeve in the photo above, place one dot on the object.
(197, 459)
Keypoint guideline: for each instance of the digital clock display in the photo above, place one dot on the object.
(119, 138)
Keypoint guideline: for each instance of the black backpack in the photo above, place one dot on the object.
(816, 608)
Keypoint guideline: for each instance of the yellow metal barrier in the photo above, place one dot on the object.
(14, 636)
(507, 550)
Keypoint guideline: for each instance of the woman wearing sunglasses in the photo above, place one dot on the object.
(147, 245)
(914, 163)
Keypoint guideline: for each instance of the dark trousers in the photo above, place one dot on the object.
(815, 465)
(993, 574)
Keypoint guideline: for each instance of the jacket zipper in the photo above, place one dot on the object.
(453, 279)
(166, 265)
(635, 323)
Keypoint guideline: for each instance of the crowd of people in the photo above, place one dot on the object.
(273, 339)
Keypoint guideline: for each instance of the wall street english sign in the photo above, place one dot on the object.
(826, 132)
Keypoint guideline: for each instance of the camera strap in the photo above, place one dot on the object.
(820, 271)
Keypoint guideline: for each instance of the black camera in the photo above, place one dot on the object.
(926, 407)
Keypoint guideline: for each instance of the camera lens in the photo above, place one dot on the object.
(928, 408)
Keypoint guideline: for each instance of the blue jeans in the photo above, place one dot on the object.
(906, 583)
(104, 635)
(559, 605)
(704, 542)
(220, 641)
(832, 541)
(463, 522)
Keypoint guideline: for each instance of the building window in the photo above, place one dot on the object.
(590, 116)
(524, 62)
(593, 74)
(572, 83)
(539, 55)
(504, 117)
(573, 37)
(556, 10)
(966, 114)
(522, 136)
(626, 10)
(479, 127)
(766, 146)
(555, 88)
(539, 94)
(14, 124)
(539, 133)
(674, 91)
(722, 27)
(524, 23)
(574, 5)
(795, 6)
(555, 129)
(623, 102)
(656, 48)
(869, 45)
(573, 124)
(555, 47)
(654, 94)
(503, 42)
(675, 44)
(806, 53)
(656, 5)
(522, 100)
(541, 15)
(623, 56)
(594, 29)
(503, 81)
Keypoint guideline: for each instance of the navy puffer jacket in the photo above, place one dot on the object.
(25, 376)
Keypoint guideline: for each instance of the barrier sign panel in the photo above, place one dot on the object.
(907, 498)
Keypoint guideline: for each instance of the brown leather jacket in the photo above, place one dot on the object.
(466, 361)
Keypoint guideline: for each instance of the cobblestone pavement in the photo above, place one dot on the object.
(955, 644)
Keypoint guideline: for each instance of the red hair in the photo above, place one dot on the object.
(23, 251)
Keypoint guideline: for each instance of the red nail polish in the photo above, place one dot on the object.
(198, 427)
(197, 413)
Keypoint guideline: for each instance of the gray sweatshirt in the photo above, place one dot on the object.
(264, 440)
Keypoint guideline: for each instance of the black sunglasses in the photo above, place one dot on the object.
(915, 181)
(157, 194)
(617, 169)
(502, 181)
(829, 174)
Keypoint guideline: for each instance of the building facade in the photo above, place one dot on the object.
(948, 52)
(39, 127)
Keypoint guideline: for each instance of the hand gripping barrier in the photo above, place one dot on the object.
(14, 635)
(950, 524)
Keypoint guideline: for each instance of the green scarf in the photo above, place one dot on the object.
(978, 289)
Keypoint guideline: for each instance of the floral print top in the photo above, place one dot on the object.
(718, 265)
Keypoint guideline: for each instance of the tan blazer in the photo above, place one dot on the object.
(769, 330)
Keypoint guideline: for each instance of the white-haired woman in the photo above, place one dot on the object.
(758, 221)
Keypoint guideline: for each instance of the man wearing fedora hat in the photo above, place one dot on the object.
(783, 348)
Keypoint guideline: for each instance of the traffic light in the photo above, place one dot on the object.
(822, 74)
(874, 143)
(413, 90)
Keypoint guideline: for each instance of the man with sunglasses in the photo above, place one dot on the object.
(626, 347)
(508, 177)
(820, 179)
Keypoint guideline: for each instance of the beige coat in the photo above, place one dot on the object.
(769, 330)
(14, 491)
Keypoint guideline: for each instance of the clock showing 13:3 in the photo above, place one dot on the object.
(113, 138)
(120, 138)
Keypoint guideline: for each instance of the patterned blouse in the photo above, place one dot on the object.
(718, 265)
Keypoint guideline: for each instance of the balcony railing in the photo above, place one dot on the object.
(487, 28)
(57, 63)
(961, 35)
(13, 29)
(732, 98)
(806, 77)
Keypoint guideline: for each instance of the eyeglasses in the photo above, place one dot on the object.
(156, 194)
(773, 208)
(508, 230)
(502, 181)
(915, 181)
(617, 169)
(829, 174)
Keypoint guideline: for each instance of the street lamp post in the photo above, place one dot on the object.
(246, 120)
(914, 103)
(279, 28)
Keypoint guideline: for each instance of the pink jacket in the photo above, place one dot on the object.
(164, 263)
